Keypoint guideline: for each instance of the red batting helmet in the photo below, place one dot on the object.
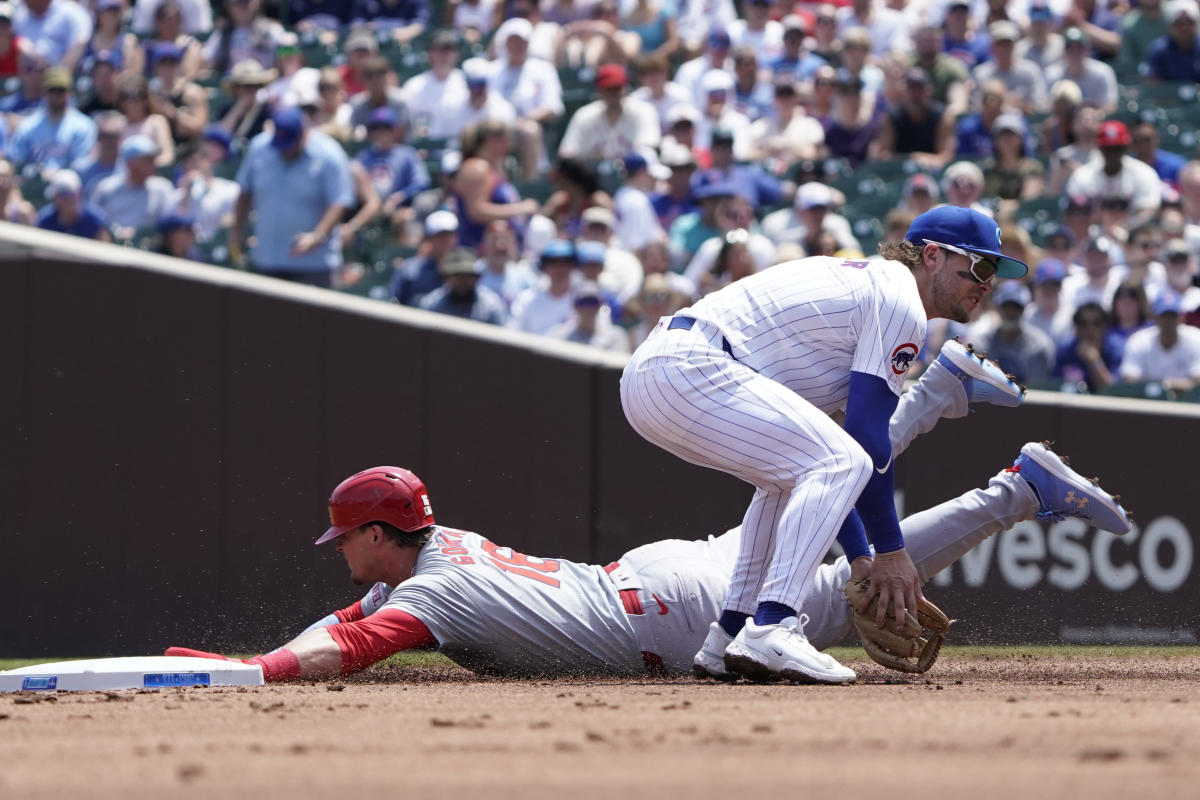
(379, 494)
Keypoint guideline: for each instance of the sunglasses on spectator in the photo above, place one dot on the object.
(327, 87)
(986, 269)
(1149, 245)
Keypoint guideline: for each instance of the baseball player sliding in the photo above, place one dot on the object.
(498, 611)
(748, 380)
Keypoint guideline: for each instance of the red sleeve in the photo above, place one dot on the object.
(378, 636)
(350, 613)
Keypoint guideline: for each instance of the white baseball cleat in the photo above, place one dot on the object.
(782, 652)
(982, 379)
(710, 661)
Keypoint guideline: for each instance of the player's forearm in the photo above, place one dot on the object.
(316, 653)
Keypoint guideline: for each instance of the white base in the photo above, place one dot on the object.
(131, 672)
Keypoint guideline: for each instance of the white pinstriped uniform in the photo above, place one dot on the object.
(795, 332)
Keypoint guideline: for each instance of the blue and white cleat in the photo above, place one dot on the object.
(1063, 492)
(982, 379)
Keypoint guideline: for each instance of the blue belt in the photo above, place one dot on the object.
(686, 324)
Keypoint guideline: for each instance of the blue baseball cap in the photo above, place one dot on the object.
(1168, 303)
(138, 146)
(173, 222)
(591, 253)
(289, 127)
(968, 230)
(1050, 270)
(1011, 292)
(165, 51)
(382, 117)
(558, 248)
(217, 134)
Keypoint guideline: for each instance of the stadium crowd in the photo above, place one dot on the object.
(579, 168)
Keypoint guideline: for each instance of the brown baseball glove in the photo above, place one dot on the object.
(913, 648)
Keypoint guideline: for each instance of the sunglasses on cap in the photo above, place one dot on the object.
(987, 269)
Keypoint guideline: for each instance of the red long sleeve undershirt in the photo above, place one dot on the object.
(365, 640)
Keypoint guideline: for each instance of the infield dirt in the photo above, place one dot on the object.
(976, 727)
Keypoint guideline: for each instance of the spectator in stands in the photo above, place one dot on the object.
(1080, 214)
(637, 223)
(1168, 352)
(613, 125)
(855, 123)
(1098, 22)
(715, 58)
(13, 207)
(1042, 44)
(210, 201)
(1048, 313)
(474, 20)
(54, 135)
(142, 120)
(1023, 81)
(11, 45)
(1189, 195)
(331, 115)
(973, 131)
(588, 324)
(752, 87)
(360, 48)
(401, 20)
(503, 270)
(1083, 149)
(1021, 348)
(655, 259)
(889, 29)
(461, 294)
(168, 31)
(244, 34)
(1096, 80)
(961, 40)
(32, 67)
(1089, 361)
(179, 238)
(1140, 28)
(577, 189)
(482, 192)
(698, 18)
(419, 275)
(66, 211)
(621, 272)
(810, 214)
(379, 93)
(1180, 265)
(1144, 137)
(105, 159)
(533, 88)
(103, 93)
(428, 94)
(539, 309)
(480, 104)
(751, 181)
(1130, 310)
(689, 231)
(655, 301)
(294, 81)
(718, 113)
(135, 197)
(57, 29)
(182, 103)
(597, 39)
(197, 15)
(738, 214)
(247, 114)
(1010, 173)
(963, 184)
(656, 89)
(1176, 56)
(1057, 129)
(678, 198)
(682, 122)
(757, 31)
(920, 194)
(655, 24)
(109, 40)
(733, 262)
(856, 61)
(543, 42)
(1117, 174)
(795, 60)
(316, 17)
(949, 76)
(1141, 261)
(788, 133)
(298, 190)
(395, 170)
(918, 127)
(591, 257)
(1097, 283)
(826, 39)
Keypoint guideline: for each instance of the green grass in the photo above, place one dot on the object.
(429, 659)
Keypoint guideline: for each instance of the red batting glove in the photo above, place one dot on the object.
(190, 653)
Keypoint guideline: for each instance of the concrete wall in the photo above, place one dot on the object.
(173, 432)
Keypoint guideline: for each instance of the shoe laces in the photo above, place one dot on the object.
(801, 620)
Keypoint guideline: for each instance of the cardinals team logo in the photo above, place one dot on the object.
(903, 357)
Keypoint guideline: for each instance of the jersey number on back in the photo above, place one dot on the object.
(509, 560)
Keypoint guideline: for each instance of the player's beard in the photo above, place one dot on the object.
(950, 303)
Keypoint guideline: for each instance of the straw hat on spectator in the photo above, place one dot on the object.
(248, 72)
